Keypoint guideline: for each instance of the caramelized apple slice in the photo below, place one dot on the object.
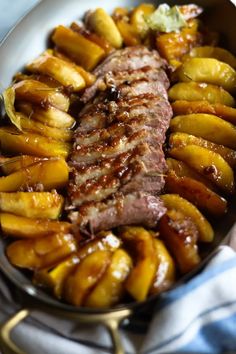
(212, 52)
(206, 126)
(182, 107)
(49, 174)
(12, 164)
(12, 141)
(173, 45)
(208, 163)
(104, 26)
(141, 276)
(165, 274)
(128, 32)
(32, 204)
(181, 169)
(55, 277)
(196, 193)
(208, 70)
(137, 18)
(105, 241)
(51, 116)
(41, 252)
(183, 139)
(180, 236)
(20, 226)
(41, 94)
(76, 46)
(32, 126)
(64, 72)
(195, 91)
(86, 275)
(174, 201)
(110, 289)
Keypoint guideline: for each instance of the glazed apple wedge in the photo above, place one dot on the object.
(105, 241)
(208, 70)
(208, 163)
(31, 126)
(85, 276)
(175, 202)
(50, 116)
(197, 91)
(64, 72)
(20, 226)
(180, 235)
(137, 18)
(206, 126)
(41, 252)
(166, 273)
(100, 22)
(32, 204)
(183, 139)
(141, 276)
(49, 174)
(15, 142)
(111, 288)
(181, 169)
(79, 48)
(212, 52)
(54, 277)
(12, 164)
(181, 107)
(197, 193)
(36, 92)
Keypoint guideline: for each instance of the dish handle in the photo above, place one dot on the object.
(111, 320)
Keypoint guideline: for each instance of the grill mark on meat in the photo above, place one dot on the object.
(80, 174)
(130, 58)
(138, 170)
(112, 79)
(108, 148)
(118, 129)
(125, 179)
(155, 109)
(106, 185)
(117, 161)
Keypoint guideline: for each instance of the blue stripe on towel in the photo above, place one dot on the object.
(209, 337)
(196, 282)
(214, 338)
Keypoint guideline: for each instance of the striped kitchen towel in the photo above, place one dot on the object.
(200, 316)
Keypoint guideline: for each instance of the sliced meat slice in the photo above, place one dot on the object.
(115, 80)
(80, 174)
(136, 208)
(109, 148)
(154, 109)
(94, 190)
(117, 158)
(134, 179)
(127, 173)
(147, 72)
(130, 58)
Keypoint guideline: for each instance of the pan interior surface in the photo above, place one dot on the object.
(25, 42)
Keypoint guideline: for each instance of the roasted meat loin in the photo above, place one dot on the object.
(117, 161)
